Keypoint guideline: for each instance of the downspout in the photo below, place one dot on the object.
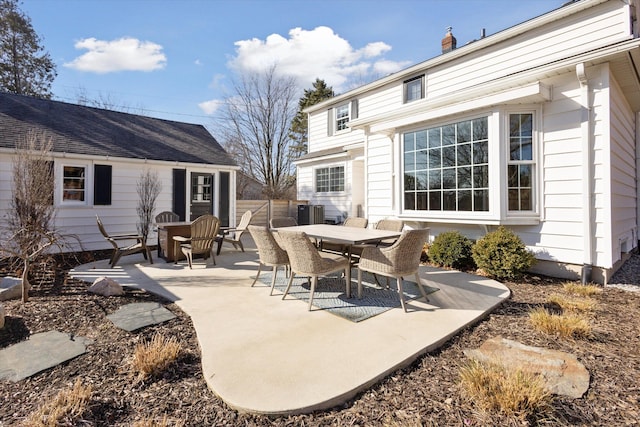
(638, 178)
(587, 172)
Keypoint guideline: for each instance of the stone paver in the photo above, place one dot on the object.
(138, 315)
(41, 351)
(561, 371)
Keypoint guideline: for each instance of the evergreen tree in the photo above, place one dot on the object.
(24, 67)
(299, 131)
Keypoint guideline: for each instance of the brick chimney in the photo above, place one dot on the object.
(448, 42)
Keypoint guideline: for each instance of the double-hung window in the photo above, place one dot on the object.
(520, 168)
(74, 184)
(342, 117)
(413, 89)
(330, 179)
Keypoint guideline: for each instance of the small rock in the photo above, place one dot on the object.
(106, 286)
(10, 288)
(561, 371)
(2, 314)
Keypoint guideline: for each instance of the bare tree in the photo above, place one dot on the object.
(105, 101)
(149, 188)
(256, 122)
(30, 222)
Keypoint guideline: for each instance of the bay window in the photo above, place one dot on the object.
(447, 168)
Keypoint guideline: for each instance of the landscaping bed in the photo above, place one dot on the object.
(425, 393)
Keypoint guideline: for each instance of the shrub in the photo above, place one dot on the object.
(451, 249)
(155, 356)
(582, 290)
(514, 393)
(66, 408)
(563, 325)
(502, 255)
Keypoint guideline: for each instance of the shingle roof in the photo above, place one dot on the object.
(92, 131)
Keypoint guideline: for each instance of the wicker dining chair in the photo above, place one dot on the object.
(398, 260)
(269, 252)
(338, 247)
(282, 221)
(306, 260)
(204, 232)
(167, 216)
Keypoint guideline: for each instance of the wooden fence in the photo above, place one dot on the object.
(264, 210)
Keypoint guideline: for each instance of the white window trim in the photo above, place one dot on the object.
(328, 166)
(88, 184)
(498, 122)
(537, 181)
(405, 90)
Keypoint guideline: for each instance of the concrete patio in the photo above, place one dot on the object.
(265, 355)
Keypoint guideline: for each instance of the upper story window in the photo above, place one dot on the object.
(74, 183)
(342, 117)
(520, 167)
(446, 168)
(414, 89)
(330, 179)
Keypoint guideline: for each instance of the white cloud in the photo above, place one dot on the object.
(210, 107)
(310, 54)
(124, 54)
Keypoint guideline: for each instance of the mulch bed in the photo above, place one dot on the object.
(425, 393)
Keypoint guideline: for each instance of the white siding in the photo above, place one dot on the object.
(623, 174)
(119, 217)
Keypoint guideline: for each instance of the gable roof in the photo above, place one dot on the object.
(92, 131)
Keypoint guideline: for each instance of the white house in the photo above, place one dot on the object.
(98, 156)
(534, 128)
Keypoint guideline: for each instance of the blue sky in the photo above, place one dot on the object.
(176, 59)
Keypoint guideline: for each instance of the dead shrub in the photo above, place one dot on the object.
(582, 290)
(512, 393)
(153, 357)
(574, 305)
(563, 325)
(65, 408)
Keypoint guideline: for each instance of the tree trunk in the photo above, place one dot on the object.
(25, 282)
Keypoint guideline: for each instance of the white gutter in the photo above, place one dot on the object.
(587, 172)
(62, 155)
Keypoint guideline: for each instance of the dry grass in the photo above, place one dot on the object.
(64, 409)
(578, 289)
(155, 356)
(563, 325)
(512, 393)
(574, 305)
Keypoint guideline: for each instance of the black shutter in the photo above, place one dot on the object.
(102, 184)
(51, 173)
(225, 190)
(179, 193)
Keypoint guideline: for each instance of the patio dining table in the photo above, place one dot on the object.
(348, 236)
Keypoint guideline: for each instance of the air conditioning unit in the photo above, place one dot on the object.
(317, 214)
(310, 214)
